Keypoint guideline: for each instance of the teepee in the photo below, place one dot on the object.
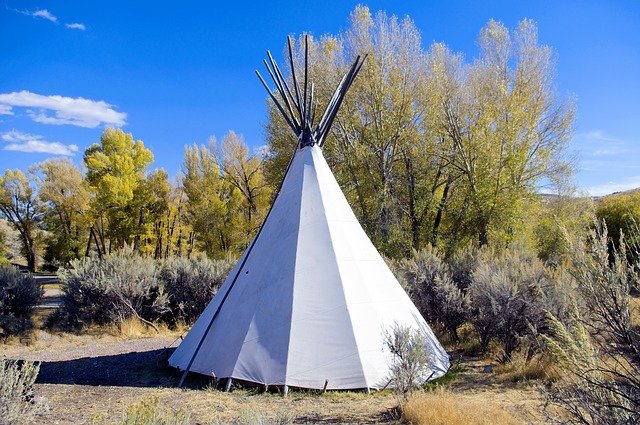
(310, 300)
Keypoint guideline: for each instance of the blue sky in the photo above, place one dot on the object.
(176, 73)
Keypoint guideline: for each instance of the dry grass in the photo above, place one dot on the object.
(442, 407)
(87, 376)
(133, 328)
(634, 306)
(540, 367)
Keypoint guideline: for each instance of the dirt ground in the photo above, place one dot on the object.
(83, 377)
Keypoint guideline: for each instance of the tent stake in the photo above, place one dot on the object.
(285, 390)
(324, 389)
(228, 386)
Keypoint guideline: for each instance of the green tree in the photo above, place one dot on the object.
(621, 213)
(430, 148)
(116, 171)
(507, 128)
(211, 202)
(65, 197)
(245, 173)
(21, 208)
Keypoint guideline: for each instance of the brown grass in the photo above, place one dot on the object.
(442, 407)
(133, 328)
(540, 367)
(634, 306)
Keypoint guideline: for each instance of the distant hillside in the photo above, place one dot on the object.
(624, 192)
(551, 196)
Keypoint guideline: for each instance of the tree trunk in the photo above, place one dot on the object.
(440, 212)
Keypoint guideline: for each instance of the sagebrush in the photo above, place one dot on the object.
(191, 283)
(17, 404)
(111, 290)
(19, 294)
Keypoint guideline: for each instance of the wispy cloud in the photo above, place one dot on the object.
(44, 14)
(47, 15)
(599, 135)
(76, 26)
(611, 151)
(5, 110)
(31, 143)
(61, 110)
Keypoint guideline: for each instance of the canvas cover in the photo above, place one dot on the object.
(312, 302)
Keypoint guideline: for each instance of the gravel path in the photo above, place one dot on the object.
(54, 348)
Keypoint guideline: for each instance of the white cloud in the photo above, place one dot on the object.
(44, 14)
(76, 26)
(613, 150)
(611, 187)
(76, 111)
(5, 110)
(31, 143)
(598, 136)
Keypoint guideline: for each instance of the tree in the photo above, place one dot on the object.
(621, 212)
(244, 172)
(65, 198)
(506, 127)
(210, 201)
(19, 205)
(375, 137)
(227, 196)
(116, 169)
(562, 214)
(428, 148)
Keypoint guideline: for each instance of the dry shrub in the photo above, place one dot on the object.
(597, 346)
(510, 295)
(149, 412)
(17, 405)
(442, 407)
(410, 358)
(430, 285)
(111, 290)
(191, 283)
(19, 294)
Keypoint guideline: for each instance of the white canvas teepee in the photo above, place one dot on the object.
(310, 300)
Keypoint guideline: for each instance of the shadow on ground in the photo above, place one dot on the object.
(136, 369)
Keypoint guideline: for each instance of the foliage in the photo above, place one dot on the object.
(593, 390)
(19, 294)
(621, 213)
(509, 295)
(190, 284)
(227, 197)
(111, 290)
(3, 246)
(20, 207)
(429, 148)
(410, 358)
(116, 170)
(151, 412)
(561, 214)
(65, 198)
(431, 287)
(597, 345)
(16, 391)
